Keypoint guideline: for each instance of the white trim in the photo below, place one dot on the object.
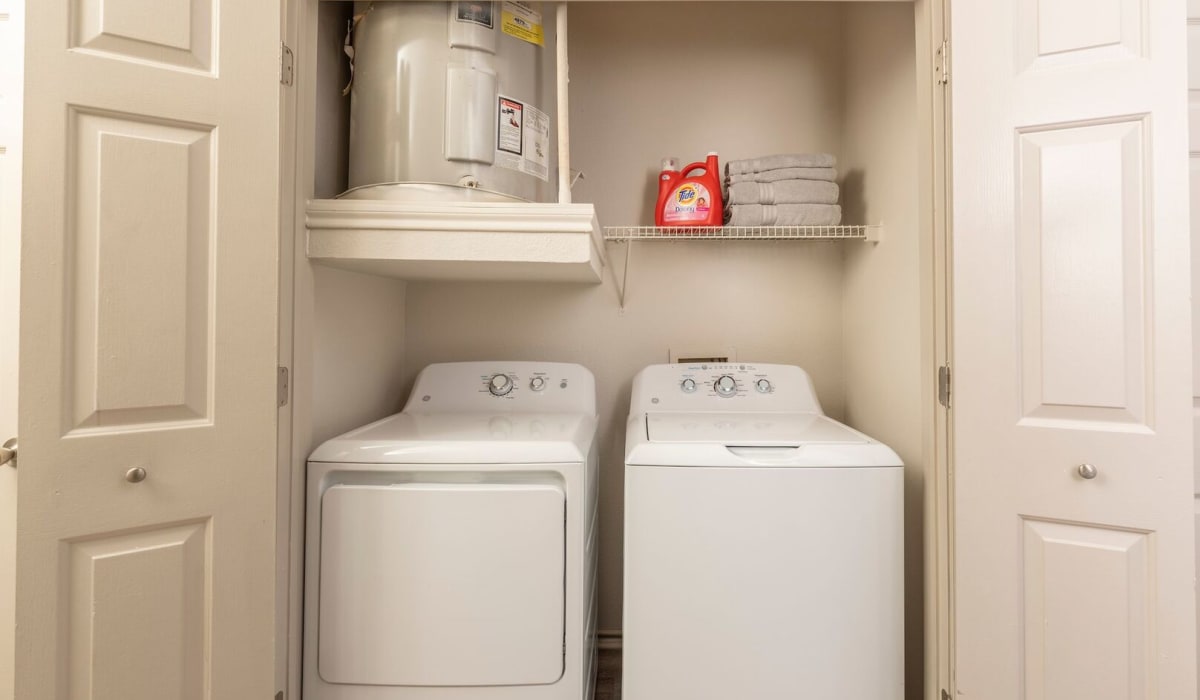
(12, 54)
(473, 240)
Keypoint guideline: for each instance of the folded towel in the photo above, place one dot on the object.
(783, 160)
(786, 174)
(785, 215)
(783, 192)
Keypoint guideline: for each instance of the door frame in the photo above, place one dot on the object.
(937, 279)
(12, 56)
(289, 593)
(296, 295)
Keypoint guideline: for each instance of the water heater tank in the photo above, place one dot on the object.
(456, 96)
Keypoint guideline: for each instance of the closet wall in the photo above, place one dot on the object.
(882, 284)
(744, 79)
(357, 319)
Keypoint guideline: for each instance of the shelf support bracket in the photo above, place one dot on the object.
(622, 283)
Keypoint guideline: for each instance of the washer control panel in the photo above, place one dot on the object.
(510, 384)
(503, 387)
(724, 381)
(725, 386)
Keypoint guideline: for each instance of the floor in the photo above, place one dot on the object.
(608, 675)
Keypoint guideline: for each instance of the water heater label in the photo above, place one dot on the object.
(522, 138)
(523, 20)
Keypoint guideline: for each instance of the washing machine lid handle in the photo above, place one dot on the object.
(749, 429)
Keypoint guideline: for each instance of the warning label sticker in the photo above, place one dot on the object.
(522, 138)
(523, 20)
(510, 126)
(474, 12)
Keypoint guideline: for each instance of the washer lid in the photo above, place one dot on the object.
(749, 429)
(465, 438)
(778, 440)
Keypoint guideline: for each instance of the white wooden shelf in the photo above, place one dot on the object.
(862, 232)
(871, 233)
(458, 240)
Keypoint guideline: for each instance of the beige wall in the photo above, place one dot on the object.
(882, 284)
(358, 320)
(780, 81)
(358, 350)
(11, 64)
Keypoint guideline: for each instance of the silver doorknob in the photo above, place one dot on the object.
(1087, 471)
(136, 475)
(8, 453)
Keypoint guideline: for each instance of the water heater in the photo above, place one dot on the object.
(453, 100)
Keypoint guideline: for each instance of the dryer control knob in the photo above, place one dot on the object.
(688, 385)
(537, 383)
(725, 385)
(763, 386)
(500, 384)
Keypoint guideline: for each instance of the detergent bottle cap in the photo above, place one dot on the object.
(671, 164)
(710, 153)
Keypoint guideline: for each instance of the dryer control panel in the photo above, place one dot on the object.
(503, 387)
(738, 386)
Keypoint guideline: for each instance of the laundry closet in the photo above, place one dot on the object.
(1014, 321)
(649, 80)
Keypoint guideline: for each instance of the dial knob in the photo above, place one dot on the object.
(688, 385)
(763, 386)
(500, 384)
(725, 385)
(537, 383)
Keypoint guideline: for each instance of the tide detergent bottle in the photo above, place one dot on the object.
(687, 199)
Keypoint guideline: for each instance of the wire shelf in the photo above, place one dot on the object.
(862, 232)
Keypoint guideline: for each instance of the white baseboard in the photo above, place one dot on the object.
(608, 640)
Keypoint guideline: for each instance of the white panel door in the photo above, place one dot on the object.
(148, 345)
(1072, 346)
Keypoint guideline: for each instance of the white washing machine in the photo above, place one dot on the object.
(763, 542)
(451, 548)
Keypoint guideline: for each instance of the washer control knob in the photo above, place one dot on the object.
(725, 385)
(537, 383)
(763, 386)
(500, 384)
(688, 385)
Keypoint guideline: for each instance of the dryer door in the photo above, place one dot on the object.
(426, 584)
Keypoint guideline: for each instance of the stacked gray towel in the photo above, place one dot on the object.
(783, 190)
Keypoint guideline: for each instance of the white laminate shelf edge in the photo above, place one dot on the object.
(458, 240)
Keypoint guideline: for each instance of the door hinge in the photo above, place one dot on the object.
(944, 385)
(282, 388)
(941, 64)
(286, 64)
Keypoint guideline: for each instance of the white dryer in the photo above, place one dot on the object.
(763, 542)
(451, 549)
